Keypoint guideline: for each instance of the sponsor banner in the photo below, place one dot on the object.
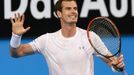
(40, 15)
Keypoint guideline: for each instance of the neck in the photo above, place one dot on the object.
(68, 30)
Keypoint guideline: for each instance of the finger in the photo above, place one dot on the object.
(16, 17)
(121, 65)
(120, 58)
(28, 28)
(19, 17)
(121, 55)
(12, 21)
(22, 18)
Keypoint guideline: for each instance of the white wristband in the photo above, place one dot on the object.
(15, 40)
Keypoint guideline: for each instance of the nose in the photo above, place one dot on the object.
(74, 11)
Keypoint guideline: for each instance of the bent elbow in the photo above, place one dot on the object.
(14, 54)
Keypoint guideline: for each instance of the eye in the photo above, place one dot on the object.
(75, 8)
(68, 8)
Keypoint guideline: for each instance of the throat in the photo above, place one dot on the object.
(69, 31)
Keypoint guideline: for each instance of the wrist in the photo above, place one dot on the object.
(15, 40)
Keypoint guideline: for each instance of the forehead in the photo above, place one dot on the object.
(69, 4)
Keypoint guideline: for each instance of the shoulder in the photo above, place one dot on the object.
(84, 30)
(84, 33)
(47, 35)
(43, 39)
(81, 31)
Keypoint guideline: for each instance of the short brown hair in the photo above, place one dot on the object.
(58, 5)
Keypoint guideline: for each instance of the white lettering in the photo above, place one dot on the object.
(55, 1)
(90, 5)
(119, 12)
(9, 13)
(132, 5)
(45, 13)
(54, 12)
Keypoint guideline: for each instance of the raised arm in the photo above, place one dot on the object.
(16, 48)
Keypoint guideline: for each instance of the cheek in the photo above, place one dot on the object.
(65, 16)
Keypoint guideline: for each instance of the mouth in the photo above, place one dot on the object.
(73, 16)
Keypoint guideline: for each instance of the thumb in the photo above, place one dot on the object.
(28, 28)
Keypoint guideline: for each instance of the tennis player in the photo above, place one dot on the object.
(67, 51)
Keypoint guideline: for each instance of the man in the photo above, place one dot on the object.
(67, 50)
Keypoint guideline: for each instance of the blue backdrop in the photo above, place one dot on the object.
(35, 64)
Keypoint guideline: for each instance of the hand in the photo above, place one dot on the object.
(118, 64)
(17, 25)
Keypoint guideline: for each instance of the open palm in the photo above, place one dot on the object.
(17, 25)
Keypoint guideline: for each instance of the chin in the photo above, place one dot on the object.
(74, 21)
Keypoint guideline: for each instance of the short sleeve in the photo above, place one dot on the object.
(39, 44)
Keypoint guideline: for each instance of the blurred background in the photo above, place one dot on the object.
(40, 17)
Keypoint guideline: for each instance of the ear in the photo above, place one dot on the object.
(59, 14)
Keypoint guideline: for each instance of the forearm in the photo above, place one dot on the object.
(22, 50)
(15, 43)
(13, 52)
